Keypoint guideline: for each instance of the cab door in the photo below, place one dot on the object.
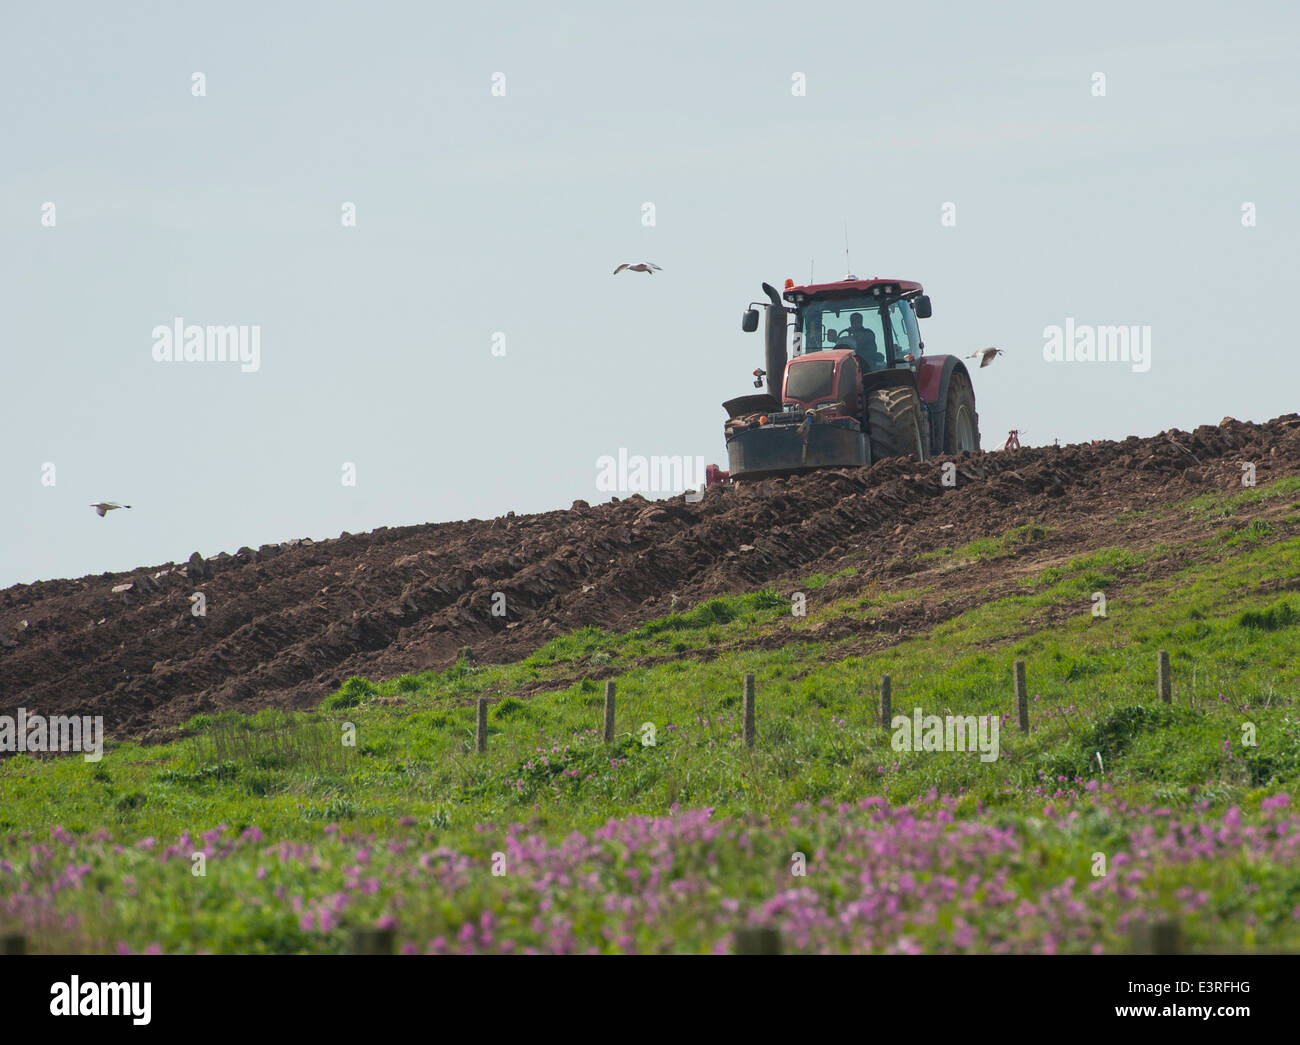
(904, 337)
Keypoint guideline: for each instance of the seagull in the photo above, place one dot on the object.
(104, 507)
(985, 355)
(645, 266)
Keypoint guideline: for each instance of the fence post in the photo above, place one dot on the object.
(1164, 679)
(480, 732)
(372, 941)
(1022, 697)
(758, 941)
(886, 703)
(1164, 936)
(13, 943)
(609, 711)
(749, 709)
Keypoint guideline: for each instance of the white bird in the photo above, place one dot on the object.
(985, 355)
(104, 507)
(645, 266)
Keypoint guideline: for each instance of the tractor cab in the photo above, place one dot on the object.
(875, 319)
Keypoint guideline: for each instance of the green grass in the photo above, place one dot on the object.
(1006, 545)
(1223, 506)
(1233, 660)
(377, 751)
(1281, 615)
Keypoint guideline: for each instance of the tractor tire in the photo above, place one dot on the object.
(895, 423)
(961, 424)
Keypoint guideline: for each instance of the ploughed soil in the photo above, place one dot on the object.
(287, 624)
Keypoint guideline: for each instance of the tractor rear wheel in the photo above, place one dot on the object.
(961, 424)
(894, 419)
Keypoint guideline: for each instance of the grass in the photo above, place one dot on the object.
(1004, 546)
(378, 754)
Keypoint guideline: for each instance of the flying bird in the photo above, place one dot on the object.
(985, 355)
(644, 266)
(104, 507)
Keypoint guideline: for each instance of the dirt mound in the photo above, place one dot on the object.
(286, 624)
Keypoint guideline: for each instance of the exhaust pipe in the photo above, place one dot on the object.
(774, 333)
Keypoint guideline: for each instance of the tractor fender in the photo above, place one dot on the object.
(933, 375)
(895, 377)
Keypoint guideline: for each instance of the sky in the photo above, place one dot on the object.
(461, 348)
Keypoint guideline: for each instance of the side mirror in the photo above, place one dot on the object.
(749, 322)
(923, 310)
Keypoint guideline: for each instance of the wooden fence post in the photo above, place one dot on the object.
(609, 711)
(1022, 696)
(480, 732)
(749, 710)
(1164, 678)
(886, 703)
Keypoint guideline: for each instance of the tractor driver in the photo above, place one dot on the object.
(864, 344)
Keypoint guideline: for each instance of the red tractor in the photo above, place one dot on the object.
(857, 388)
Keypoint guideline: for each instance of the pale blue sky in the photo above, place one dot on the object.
(478, 214)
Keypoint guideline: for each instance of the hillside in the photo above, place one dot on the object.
(285, 625)
(1112, 810)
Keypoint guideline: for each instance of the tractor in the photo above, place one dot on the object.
(856, 388)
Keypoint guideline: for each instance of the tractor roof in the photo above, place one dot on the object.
(905, 288)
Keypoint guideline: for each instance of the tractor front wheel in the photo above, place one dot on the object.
(894, 419)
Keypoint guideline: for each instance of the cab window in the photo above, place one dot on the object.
(847, 323)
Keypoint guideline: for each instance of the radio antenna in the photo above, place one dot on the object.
(811, 264)
(848, 267)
